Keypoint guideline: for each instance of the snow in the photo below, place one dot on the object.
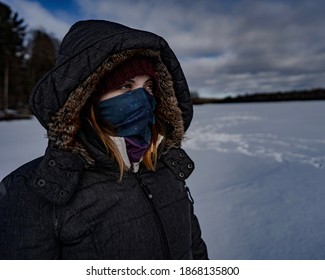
(259, 180)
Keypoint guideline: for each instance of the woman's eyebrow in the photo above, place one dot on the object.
(149, 80)
(133, 81)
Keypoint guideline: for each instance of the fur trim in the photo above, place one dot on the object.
(66, 122)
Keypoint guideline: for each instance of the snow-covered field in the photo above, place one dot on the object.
(259, 180)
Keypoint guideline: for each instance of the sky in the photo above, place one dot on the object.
(225, 47)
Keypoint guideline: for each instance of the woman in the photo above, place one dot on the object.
(111, 183)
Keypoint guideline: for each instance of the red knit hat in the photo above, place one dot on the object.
(135, 66)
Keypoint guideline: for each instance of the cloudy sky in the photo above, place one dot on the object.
(226, 47)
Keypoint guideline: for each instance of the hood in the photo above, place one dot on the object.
(88, 51)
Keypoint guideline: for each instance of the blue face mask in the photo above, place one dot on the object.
(131, 114)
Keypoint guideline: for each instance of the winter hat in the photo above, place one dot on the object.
(135, 66)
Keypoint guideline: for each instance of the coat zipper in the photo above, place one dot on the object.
(162, 232)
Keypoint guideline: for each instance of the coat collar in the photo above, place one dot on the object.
(58, 175)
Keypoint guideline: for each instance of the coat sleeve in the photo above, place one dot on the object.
(26, 227)
(2, 190)
(199, 248)
(182, 169)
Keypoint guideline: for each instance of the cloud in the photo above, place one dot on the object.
(37, 17)
(267, 46)
(245, 47)
(225, 47)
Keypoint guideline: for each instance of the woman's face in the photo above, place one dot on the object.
(140, 81)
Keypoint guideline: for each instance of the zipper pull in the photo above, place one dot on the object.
(143, 186)
(146, 190)
(189, 194)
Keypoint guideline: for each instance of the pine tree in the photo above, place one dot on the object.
(43, 51)
(12, 34)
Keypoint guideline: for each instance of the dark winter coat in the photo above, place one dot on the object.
(69, 204)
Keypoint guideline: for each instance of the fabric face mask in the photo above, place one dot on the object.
(132, 116)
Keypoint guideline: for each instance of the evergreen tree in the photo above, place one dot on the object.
(43, 51)
(12, 34)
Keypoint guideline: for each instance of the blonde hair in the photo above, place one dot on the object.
(105, 131)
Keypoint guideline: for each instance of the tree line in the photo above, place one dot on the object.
(294, 95)
(25, 56)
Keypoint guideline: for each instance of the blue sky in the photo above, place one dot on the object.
(226, 47)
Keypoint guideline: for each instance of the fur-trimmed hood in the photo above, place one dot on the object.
(90, 50)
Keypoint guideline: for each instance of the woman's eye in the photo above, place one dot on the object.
(149, 88)
(125, 87)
